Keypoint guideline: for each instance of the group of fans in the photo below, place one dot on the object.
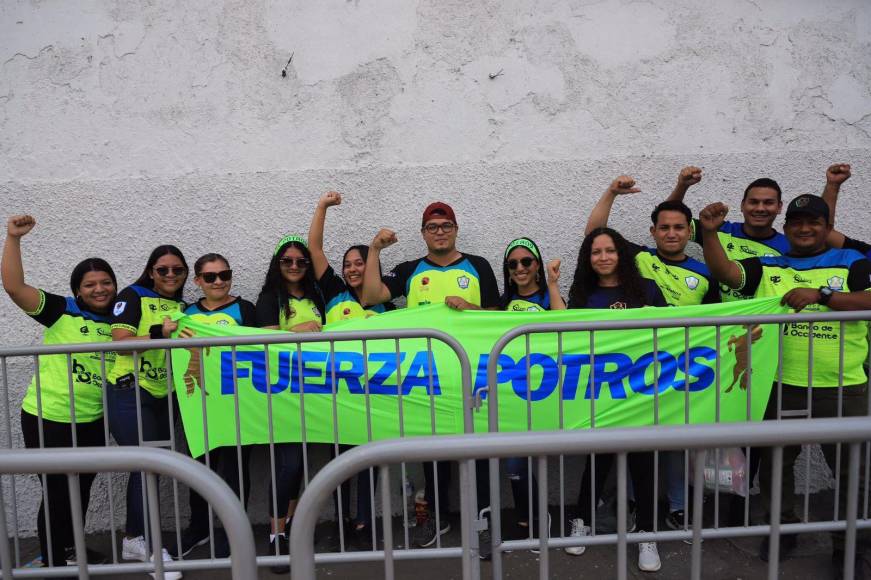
(811, 265)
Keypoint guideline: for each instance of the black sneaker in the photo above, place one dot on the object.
(361, 538)
(425, 534)
(94, 557)
(222, 544)
(190, 538)
(861, 568)
(283, 550)
(787, 546)
(675, 520)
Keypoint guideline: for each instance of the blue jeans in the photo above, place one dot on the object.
(123, 424)
(672, 463)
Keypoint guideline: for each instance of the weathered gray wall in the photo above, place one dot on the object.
(129, 124)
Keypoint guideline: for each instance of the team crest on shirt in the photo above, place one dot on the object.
(463, 282)
(836, 283)
(692, 282)
(119, 308)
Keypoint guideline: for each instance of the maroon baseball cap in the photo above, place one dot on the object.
(436, 210)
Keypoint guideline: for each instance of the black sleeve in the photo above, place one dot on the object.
(51, 308)
(487, 279)
(397, 279)
(696, 232)
(861, 247)
(752, 275)
(388, 306)
(127, 311)
(248, 312)
(859, 277)
(267, 312)
(712, 296)
(331, 284)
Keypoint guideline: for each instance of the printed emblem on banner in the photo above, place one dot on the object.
(692, 282)
(119, 308)
(463, 282)
(836, 283)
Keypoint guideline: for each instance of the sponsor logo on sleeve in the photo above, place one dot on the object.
(119, 308)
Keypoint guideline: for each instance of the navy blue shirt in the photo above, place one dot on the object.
(614, 298)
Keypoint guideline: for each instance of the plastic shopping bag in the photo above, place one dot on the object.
(725, 470)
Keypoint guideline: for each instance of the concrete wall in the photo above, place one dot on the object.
(129, 124)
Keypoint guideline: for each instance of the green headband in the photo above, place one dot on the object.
(523, 243)
(288, 239)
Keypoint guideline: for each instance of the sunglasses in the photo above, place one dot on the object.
(291, 262)
(210, 277)
(526, 262)
(446, 227)
(164, 271)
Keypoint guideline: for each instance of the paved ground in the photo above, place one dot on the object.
(722, 560)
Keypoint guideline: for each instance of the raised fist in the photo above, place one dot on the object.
(689, 175)
(20, 225)
(330, 199)
(713, 216)
(838, 173)
(384, 239)
(553, 271)
(623, 185)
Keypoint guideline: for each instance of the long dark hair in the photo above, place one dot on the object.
(586, 280)
(275, 284)
(90, 265)
(508, 283)
(146, 281)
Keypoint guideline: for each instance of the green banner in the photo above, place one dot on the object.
(356, 394)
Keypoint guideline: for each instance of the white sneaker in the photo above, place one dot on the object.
(167, 575)
(578, 530)
(134, 549)
(648, 557)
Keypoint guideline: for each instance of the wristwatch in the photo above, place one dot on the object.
(825, 295)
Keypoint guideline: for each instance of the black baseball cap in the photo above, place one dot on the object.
(808, 204)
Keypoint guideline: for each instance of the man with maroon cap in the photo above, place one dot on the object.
(463, 282)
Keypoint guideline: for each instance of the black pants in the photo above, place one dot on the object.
(224, 462)
(57, 491)
(363, 514)
(640, 467)
(824, 403)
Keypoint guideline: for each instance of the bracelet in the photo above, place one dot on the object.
(155, 331)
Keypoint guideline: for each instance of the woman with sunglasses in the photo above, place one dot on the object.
(137, 392)
(342, 297)
(529, 286)
(213, 275)
(48, 414)
(606, 277)
(289, 300)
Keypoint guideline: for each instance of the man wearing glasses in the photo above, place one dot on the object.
(444, 275)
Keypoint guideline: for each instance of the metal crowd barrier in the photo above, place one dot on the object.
(653, 327)
(153, 461)
(698, 438)
(299, 340)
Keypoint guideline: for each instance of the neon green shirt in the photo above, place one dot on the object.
(67, 321)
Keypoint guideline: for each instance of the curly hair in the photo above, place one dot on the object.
(586, 280)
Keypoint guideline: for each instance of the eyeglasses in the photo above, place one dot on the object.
(210, 277)
(526, 262)
(164, 271)
(291, 262)
(446, 227)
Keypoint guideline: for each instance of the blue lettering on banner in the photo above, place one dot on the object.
(323, 373)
